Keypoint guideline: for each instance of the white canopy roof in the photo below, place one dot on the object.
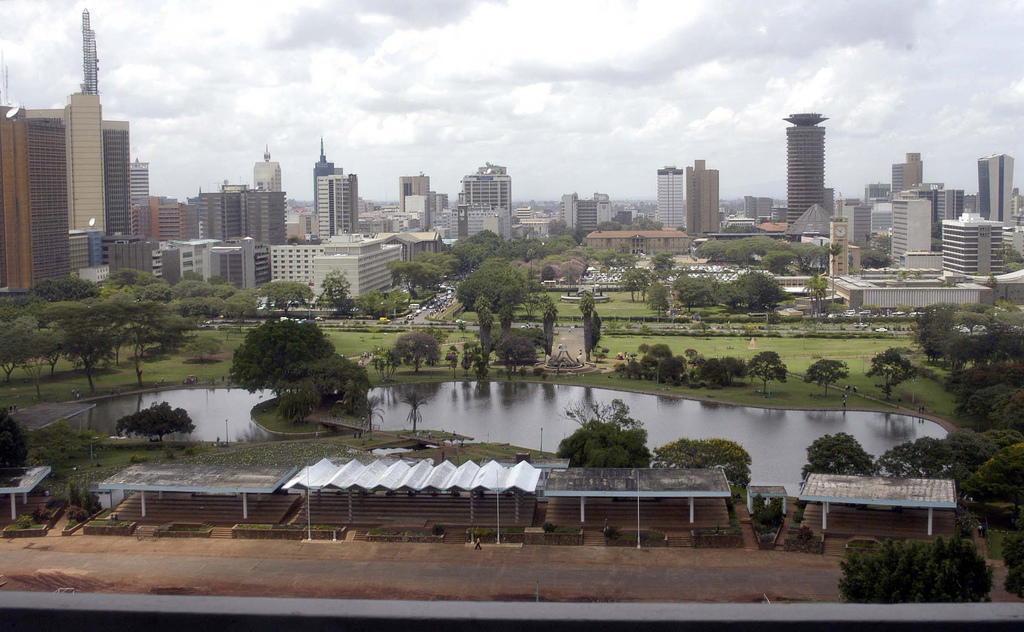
(416, 476)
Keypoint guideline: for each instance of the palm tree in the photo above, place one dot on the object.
(587, 309)
(485, 319)
(817, 289)
(505, 316)
(834, 250)
(550, 315)
(374, 409)
(414, 400)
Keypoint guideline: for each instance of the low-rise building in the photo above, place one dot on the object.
(294, 263)
(637, 242)
(181, 256)
(892, 293)
(363, 262)
(972, 246)
(413, 243)
(922, 260)
(235, 261)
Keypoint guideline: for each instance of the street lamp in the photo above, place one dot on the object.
(225, 433)
(637, 470)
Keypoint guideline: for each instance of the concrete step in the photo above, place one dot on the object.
(360, 536)
(145, 531)
(223, 533)
(682, 541)
(593, 538)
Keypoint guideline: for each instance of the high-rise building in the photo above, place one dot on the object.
(671, 197)
(757, 207)
(881, 216)
(931, 191)
(338, 205)
(858, 217)
(411, 185)
(586, 214)
(701, 199)
(906, 175)
(489, 186)
(995, 184)
(877, 190)
(129, 251)
(235, 261)
(266, 175)
(805, 164)
(972, 246)
(236, 212)
(364, 262)
(568, 209)
(170, 220)
(117, 179)
(911, 227)
(33, 200)
(321, 168)
(949, 204)
(140, 182)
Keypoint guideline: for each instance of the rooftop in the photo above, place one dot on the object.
(880, 490)
(17, 480)
(622, 482)
(637, 233)
(42, 415)
(416, 476)
(257, 479)
(767, 490)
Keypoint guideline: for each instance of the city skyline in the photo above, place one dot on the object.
(394, 94)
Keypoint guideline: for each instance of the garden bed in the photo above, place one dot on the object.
(815, 545)
(861, 544)
(420, 536)
(109, 527)
(717, 538)
(509, 535)
(648, 539)
(34, 531)
(183, 530)
(286, 532)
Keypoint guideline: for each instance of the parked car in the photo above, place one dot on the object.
(881, 329)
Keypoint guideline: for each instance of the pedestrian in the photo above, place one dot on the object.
(478, 547)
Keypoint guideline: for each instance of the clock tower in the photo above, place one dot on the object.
(839, 233)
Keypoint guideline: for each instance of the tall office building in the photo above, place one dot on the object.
(338, 205)
(411, 185)
(237, 212)
(140, 182)
(906, 175)
(117, 178)
(858, 217)
(489, 186)
(321, 168)
(671, 201)
(266, 175)
(568, 209)
(805, 164)
(949, 204)
(877, 190)
(701, 199)
(757, 207)
(911, 227)
(170, 220)
(972, 246)
(995, 184)
(33, 200)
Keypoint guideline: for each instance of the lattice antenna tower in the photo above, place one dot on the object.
(90, 63)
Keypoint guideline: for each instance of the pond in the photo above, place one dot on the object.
(528, 415)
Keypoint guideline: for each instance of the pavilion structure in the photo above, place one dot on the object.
(767, 492)
(851, 503)
(21, 480)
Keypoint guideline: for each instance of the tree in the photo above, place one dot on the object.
(971, 450)
(469, 352)
(926, 457)
(88, 335)
(374, 407)
(191, 289)
(241, 305)
(1002, 477)
(767, 366)
(156, 421)
(57, 442)
(936, 330)
(414, 401)
(505, 315)
(916, 572)
(43, 344)
(663, 262)
(516, 351)
(297, 404)
(68, 288)
(824, 372)
(484, 319)
(817, 289)
(607, 437)
(892, 367)
(635, 280)
(776, 261)
(495, 281)
(199, 347)
(268, 350)
(146, 327)
(760, 290)
(587, 310)
(336, 292)
(658, 298)
(1004, 438)
(417, 347)
(840, 453)
(706, 453)
(1013, 557)
(385, 361)
(16, 343)
(549, 314)
(693, 291)
(13, 441)
(286, 294)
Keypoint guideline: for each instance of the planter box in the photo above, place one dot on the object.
(405, 537)
(554, 539)
(96, 529)
(816, 547)
(204, 532)
(767, 545)
(78, 527)
(867, 546)
(25, 533)
(241, 533)
(517, 537)
(717, 540)
(631, 543)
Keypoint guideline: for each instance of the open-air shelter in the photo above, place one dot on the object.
(912, 493)
(608, 482)
(21, 480)
(200, 479)
(767, 492)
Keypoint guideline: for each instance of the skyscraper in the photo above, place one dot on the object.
(338, 205)
(321, 168)
(140, 183)
(33, 200)
(568, 208)
(911, 227)
(236, 212)
(876, 190)
(411, 185)
(266, 175)
(671, 203)
(995, 184)
(90, 62)
(906, 175)
(805, 164)
(701, 199)
(117, 180)
(489, 186)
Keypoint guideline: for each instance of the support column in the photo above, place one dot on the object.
(143, 503)
(691, 509)
(930, 510)
(824, 517)
(784, 505)
(350, 505)
(750, 503)
(160, 494)
(245, 506)
(24, 498)
(14, 507)
(472, 517)
(518, 497)
(583, 508)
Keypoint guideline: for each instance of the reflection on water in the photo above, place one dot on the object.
(515, 412)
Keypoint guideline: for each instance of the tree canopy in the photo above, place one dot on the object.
(270, 349)
(840, 453)
(893, 368)
(13, 441)
(417, 347)
(825, 371)
(607, 437)
(156, 421)
(706, 453)
(767, 366)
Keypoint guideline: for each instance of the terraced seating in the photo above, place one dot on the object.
(661, 514)
(214, 510)
(419, 510)
(910, 524)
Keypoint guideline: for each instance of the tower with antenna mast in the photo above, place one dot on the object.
(90, 63)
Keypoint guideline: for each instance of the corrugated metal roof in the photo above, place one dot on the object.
(880, 490)
(21, 480)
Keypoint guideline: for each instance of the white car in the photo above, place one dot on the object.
(881, 329)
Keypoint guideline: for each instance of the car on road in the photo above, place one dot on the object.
(881, 329)
(383, 320)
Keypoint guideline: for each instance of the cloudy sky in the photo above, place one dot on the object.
(570, 96)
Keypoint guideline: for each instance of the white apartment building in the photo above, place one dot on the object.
(363, 261)
(911, 226)
(294, 263)
(489, 186)
(140, 183)
(972, 246)
(568, 209)
(338, 204)
(671, 197)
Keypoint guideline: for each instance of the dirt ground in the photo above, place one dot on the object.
(415, 571)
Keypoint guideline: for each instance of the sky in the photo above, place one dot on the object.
(570, 96)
